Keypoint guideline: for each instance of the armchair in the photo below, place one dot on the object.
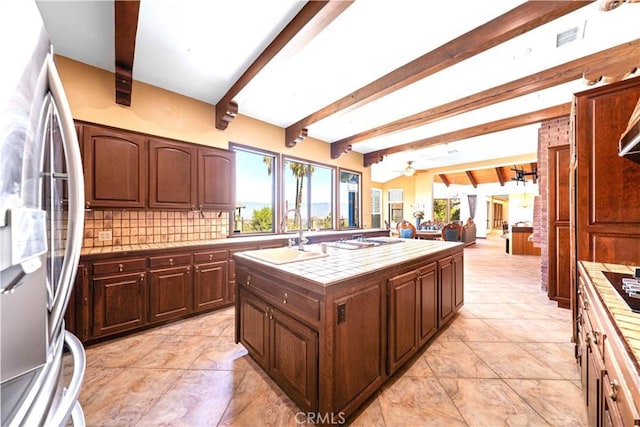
(452, 232)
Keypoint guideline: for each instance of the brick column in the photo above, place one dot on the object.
(551, 133)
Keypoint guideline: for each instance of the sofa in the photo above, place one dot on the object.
(469, 234)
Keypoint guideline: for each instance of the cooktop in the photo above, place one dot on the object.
(616, 281)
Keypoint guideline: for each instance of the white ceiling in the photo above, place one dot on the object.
(200, 48)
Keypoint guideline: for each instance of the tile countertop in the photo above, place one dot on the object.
(230, 240)
(626, 320)
(342, 264)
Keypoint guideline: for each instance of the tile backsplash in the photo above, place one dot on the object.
(132, 227)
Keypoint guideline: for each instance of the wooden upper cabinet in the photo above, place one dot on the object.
(115, 168)
(172, 175)
(607, 196)
(216, 179)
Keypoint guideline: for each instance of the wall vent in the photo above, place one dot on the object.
(566, 36)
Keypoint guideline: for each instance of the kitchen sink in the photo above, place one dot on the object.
(363, 243)
(283, 255)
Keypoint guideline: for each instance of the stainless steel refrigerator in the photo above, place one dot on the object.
(41, 225)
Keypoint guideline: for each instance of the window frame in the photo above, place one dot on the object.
(358, 220)
(308, 190)
(277, 159)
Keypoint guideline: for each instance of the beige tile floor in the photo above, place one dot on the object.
(505, 360)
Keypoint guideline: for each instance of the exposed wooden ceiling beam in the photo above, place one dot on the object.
(444, 179)
(308, 23)
(472, 179)
(534, 170)
(483, 129)
(500, 177)
(594, 64)
(126, 27)
(505, 27)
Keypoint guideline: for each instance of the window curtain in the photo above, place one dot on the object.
(472, 204)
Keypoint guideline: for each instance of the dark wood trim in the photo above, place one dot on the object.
(500, 177)
(564, 73)
(472, 179)
(125, 28)
(308, 23)
(482, 129)
(444, 179)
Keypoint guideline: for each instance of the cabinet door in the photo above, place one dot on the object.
(254, 328)
(216, 179)
(118, 303)
(294, 359)
(403, 319)
(428, 308)
(172, 175)
(447, 274)
(209, 285)
(360, 342)
(458, 281)
(170, 293)
(115, 168)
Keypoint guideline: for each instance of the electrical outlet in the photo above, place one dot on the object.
(342, 312)
(103, 236)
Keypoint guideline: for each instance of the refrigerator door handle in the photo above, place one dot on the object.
(69, 403)
(76, 198)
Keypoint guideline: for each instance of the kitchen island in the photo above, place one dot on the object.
(330, 328)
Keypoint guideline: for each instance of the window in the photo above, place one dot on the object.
(446, 210)
(309, 187)
(349, 199)
(376, 208)
(396, 205)
(255, 190)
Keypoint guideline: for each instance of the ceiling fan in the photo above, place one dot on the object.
(409, 170)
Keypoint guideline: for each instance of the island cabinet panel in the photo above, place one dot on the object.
(115, 168)
(117, 303)
(172, 175)
(413, 314)
(450, 272)
(294, 358)
(210, 282)
(403, 319)
(254, 319)
(285, 348)
(359, 360)
(216, 179)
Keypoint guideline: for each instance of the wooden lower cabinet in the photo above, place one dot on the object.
(284, 347)
(451, 278)
(413, 315)
(118, 303)
(606, 372)
(170, 293)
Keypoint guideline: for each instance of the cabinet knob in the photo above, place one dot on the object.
(120, 267)
(210, 257)
(284, 300)
(170, 261)
(614, 390)
(249, 280)
(142, 277)
(188, 270)
(196, 268)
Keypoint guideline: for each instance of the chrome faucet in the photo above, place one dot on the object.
(301, 239)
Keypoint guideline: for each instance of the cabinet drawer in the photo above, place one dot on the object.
(287, 299)
(169, 260)
(118, 266)
(210, 256)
